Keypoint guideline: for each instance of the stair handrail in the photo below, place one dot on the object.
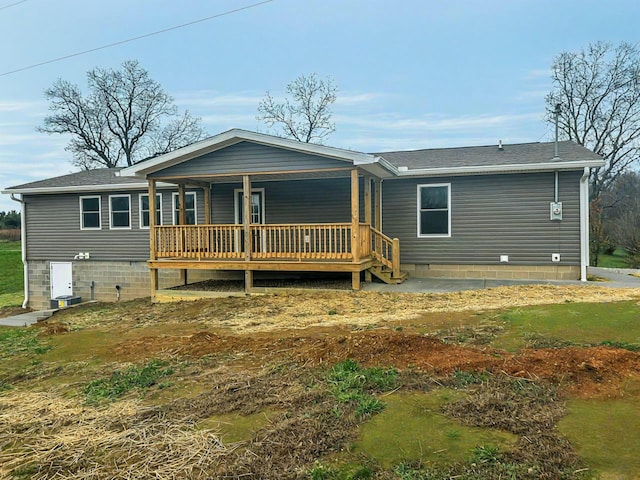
(386, 250)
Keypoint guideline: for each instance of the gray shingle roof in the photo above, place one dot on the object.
(515, 154)
(100, 176)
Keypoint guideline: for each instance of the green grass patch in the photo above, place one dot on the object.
(120, 383)
(351, 383)
(412, 429)
(12, 278)
(606, 435)
(234, 427)
(550, 326)
(21, 341)
(618, 259)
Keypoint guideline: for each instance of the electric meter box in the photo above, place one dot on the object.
(556, 211)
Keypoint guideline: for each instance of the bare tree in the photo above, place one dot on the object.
(305, 114)
(599, 90)
(126, 117)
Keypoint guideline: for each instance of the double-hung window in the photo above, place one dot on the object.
(144, 210)
(120, 211)
(189, 208)
(90, 213)
(434, 210)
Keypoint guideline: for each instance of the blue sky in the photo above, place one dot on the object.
(411, 74)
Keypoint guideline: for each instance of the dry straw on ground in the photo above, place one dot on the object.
(66, 440)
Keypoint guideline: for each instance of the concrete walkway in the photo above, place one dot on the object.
(26, 319)
(616, 278)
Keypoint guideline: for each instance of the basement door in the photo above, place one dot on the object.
(61, 278)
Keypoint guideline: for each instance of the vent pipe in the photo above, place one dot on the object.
(556, 114)
(500, 145)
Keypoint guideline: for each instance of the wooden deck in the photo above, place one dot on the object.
(320, 247)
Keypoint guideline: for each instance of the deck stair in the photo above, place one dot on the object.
(386, 255)
(386, 274)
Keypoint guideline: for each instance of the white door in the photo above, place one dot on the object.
(61, 278)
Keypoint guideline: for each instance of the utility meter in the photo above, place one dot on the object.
(556, 211)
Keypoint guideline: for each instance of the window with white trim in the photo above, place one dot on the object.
(434, 210)
(90, 213)
(119, 211)
(144, 209)
(190, 211)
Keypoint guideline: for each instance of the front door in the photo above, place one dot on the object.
(61, 279)
(257, 217)
(257, 206)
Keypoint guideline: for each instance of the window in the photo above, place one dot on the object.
(434, 210)
(120, 211)
(144, 210)
(190, 208)
(90, 213)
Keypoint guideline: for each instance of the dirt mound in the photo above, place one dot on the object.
(594, 371)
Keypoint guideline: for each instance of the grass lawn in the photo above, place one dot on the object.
(12, 277)
(618, 259)
(571, 324)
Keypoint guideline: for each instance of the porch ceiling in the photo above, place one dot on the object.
(263, 177)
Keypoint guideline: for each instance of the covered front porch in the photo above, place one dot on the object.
(353, 247)
(269, 204)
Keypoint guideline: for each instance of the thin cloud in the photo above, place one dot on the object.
(20, 106)
(433, 122)
(208, 98)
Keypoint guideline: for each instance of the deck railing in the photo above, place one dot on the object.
(318, 241)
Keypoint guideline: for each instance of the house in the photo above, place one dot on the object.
(243, 202)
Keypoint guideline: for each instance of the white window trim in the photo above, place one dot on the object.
(173, 206)
(236, 206)
(99, 227)
(158, 204)
(111, 227)
(418, 208)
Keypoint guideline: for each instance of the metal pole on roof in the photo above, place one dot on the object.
(556, 113)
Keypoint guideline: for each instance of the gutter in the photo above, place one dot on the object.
(584, 223)
(489, 169)
(23, 242)
(84, 188)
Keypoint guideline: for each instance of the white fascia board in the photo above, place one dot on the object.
(234, 136)
(489, 169)
(84, 188)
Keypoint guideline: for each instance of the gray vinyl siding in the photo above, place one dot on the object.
(247, 157)
(491, 215)
(296, 201)
(53, 228)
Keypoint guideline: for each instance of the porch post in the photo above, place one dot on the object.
(152, 237)
(367, 200)
(378, 204)
(246, 222)
(182, 216)
(152, 219)
(182, 219)
(367, 215)
(207, 205)
(355, 227)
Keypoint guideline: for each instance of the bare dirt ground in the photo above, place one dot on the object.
(247, 355)
(324, 327)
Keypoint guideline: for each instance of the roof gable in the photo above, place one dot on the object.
(234, 136)
(250, 157)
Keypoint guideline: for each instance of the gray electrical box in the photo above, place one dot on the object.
(556, 211)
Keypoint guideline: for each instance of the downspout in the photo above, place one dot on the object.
(23, 241)
(584, 224)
